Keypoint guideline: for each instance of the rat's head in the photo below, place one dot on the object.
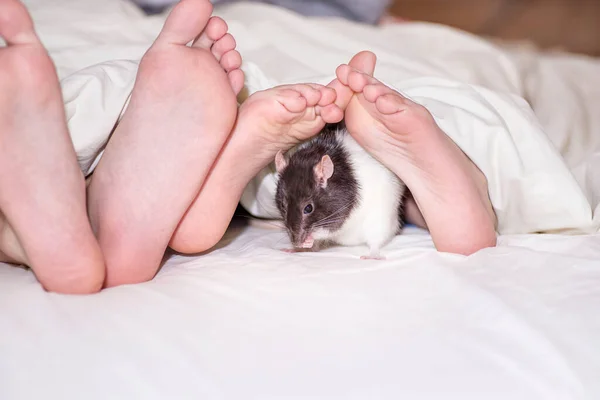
(315, 194)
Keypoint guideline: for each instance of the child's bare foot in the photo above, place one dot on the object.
(181, 111)
(449, 189)
(42, 190)
(286, 115)
(268, 121)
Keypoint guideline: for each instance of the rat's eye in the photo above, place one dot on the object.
(308, 209)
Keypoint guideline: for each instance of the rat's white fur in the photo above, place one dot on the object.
(375, 220)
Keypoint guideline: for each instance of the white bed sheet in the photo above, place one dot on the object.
(246, 321)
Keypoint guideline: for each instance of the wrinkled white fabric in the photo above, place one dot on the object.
(473, 89)
(247, 321)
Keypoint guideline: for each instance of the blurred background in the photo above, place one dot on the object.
(567, 25)
(571, 25)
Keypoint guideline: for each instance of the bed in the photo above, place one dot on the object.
(247, 321)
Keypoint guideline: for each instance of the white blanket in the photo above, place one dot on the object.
(246, 321)
(473, 89)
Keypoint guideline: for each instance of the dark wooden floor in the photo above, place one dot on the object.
(572, 25)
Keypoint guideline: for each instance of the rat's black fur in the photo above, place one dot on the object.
(298, 186)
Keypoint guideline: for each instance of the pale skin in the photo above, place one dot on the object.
(449, 191)
(182, 109)
(43, 216)
(171, 174)
(153, 167)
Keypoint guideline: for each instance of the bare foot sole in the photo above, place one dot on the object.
(181, 112)
(268, 121)
(43, 219)
(404, 136)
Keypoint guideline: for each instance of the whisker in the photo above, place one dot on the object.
(341, 209)
(281, 240)
(326, 223)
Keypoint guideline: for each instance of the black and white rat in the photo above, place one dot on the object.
(331, 190)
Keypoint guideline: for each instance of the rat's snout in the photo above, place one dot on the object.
(301, 239)
(300, 234)
(297, 239)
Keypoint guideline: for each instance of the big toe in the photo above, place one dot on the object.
(364, 62)
(16, 26)
(186, 21)
(358, 80)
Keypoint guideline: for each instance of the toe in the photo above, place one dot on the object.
(364, 61)
(292, 100)
(236, 79)
(331, 114)
(343, 93)
(231, 60)
(390, 103)
(358, 80)
(223, 45)
(186, 21)
(215, 30)
(310, 93)
(373, 90)
(328, 96)
(16, 26)
(342, 73)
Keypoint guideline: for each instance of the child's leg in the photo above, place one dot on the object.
(181, 111)
(42, 190)
(450, 191)
(267, 122)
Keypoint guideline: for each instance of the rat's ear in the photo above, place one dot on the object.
(324, 170)
(280, 162)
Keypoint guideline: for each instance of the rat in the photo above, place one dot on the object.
(332, 191)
